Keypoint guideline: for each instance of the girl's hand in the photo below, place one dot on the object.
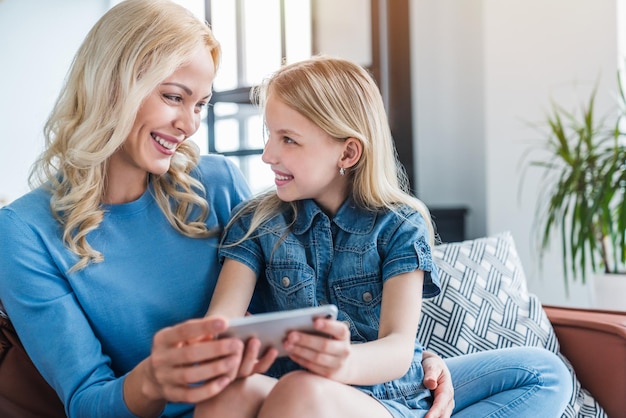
(188, 365)
(326, 356)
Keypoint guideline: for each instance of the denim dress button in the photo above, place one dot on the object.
(285, 281)
(367, 297)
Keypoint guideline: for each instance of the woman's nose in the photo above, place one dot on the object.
(187, 121)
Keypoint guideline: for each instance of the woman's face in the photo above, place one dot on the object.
(304, 158)
(166, 118)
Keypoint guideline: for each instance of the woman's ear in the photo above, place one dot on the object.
(351, 152)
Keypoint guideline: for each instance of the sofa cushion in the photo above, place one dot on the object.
(484, 304)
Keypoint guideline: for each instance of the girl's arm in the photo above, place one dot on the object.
(231, 299)
(233, 291)
(392, 352)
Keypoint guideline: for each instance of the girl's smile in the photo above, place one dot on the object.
(281, 179)
(304, 158)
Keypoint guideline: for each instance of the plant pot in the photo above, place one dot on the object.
(609, 291)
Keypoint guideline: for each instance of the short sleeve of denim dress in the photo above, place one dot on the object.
(344, 261)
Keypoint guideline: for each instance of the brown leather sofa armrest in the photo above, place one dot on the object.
(23, 391)
(594, 342)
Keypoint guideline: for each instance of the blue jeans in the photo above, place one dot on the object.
(511, 382)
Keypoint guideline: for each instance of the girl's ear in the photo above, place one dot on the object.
(351, 153)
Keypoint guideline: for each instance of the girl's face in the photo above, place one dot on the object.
(166, 118)
(304, 158)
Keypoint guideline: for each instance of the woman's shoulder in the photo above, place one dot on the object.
(32, 204)
(30, 209)
(219, 175)
(216, 165)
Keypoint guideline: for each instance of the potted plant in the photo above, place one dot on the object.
(583, 198)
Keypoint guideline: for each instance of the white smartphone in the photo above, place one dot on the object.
(272, 328)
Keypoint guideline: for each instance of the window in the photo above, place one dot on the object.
(257, 36)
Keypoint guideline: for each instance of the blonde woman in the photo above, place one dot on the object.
(118, 243)
(341, 228)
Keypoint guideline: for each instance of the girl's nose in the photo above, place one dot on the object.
(268, 157)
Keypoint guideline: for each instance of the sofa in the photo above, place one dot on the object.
(594, 342)
(484, 304)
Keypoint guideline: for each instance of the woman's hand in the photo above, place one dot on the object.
(186, 365)
(251, 363)
(437, 378)
(322, 355)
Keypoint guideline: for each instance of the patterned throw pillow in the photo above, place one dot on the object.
(484, 304)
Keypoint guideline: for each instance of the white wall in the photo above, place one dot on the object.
(448, 98)
(485, 69)
(38, 40)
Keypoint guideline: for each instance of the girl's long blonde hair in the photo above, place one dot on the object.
(131, 49)
(342, 99)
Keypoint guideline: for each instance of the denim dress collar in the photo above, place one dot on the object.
(350, 217)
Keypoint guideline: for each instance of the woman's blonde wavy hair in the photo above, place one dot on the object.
(130, 50)
(342, 99)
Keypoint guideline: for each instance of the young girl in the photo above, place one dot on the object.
(340, 228)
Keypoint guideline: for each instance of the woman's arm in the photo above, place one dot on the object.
(215, 362)
(182, 356)
(392, 351)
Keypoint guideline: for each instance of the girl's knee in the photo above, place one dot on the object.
(301, 381)
(248, 394)
(286, 398)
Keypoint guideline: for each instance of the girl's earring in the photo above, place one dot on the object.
(342, 171)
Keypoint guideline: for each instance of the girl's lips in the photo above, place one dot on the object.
(281, 179)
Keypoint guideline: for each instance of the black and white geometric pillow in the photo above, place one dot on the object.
(484, 304)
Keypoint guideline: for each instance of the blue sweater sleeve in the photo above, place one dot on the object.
(49, 320)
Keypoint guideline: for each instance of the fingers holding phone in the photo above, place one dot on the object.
(187, 365)
(255, 361)
(272, 328)
(324, 353)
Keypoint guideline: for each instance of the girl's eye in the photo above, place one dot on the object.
(288, 140)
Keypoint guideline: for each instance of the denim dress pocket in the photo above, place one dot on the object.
(291, 284)
(360, 301)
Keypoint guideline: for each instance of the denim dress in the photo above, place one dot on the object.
(343, 261)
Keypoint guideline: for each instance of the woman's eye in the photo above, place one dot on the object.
(201, 108)
(173, 97)
(288, 140)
